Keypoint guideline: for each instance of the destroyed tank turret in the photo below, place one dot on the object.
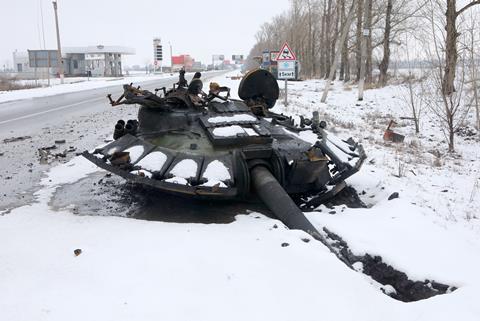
(209, 146)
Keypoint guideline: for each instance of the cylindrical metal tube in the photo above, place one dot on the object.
(279, 202)
(119, 130)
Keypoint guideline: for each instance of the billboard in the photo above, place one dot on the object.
(237, 58)
(218, 57)
(42, 58)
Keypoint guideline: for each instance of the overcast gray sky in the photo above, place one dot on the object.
(199, 28)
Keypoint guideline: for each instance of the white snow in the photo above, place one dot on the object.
(135, 152)
(305, 135)
(142, 173)
(228, 131)
(338, 152)
(216, 173)
(216, 170)
(404, 236)
(185, 168)
(250, 131)
(79, 84)
(153, 162)
(147, 270)
(76, 84)
(177, 180)
(133, 269)
(113, 150)
(232, 119)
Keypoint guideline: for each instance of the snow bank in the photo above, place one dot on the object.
(79, 85)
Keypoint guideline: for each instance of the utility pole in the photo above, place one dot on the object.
(59, 48)
(171, 57)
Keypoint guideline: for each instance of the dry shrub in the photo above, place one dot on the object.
(11, 83)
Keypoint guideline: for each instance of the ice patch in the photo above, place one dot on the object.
(153, 162)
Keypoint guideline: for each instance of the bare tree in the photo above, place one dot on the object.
(386, 44)
(340, 42)
(471, 46)
(414, 93)
(449, 109)
(451, 54)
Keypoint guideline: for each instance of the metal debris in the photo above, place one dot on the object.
(15, 139)
(390, 135)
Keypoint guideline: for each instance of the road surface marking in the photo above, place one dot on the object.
(50, 110)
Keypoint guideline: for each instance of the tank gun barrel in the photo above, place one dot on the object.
(272, 194)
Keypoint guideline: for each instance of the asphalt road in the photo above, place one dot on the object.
(27, 116)
(83, 119)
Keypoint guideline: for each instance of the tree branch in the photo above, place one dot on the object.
(471, 4)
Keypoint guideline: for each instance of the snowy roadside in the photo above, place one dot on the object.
(419, 169)
(144, 270)
(76, 84)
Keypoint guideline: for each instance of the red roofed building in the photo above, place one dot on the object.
(182, 61)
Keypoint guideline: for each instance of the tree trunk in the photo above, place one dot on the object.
(328, 38)
(358, 49)
(386, 46)
(311, 46)
(361, 82)
(344, 45)
(322, 42)
(451, 54)
(451, 137)
(340, 41)
(347, 68)
(368, 26)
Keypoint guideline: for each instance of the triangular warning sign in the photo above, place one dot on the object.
(286, 53)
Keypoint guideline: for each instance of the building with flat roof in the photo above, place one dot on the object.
(101, 61)
(98, 60)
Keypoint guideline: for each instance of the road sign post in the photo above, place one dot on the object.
(286, 61)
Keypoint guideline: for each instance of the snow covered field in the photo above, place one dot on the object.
(143, 270)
